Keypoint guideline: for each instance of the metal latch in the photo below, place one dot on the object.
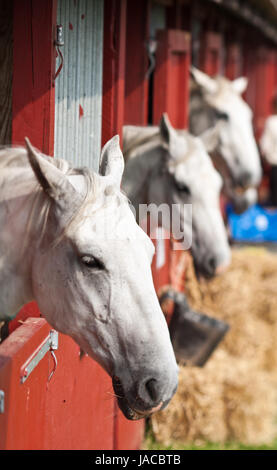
(59, 41)
(2, 401)
(49, 344)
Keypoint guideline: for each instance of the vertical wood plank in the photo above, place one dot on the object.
(136, 84)
(6, 54)
(33, 93)
(33, 71)
(265, 87)
(171, 77)
(113, 68)
(233, 66)
(210, 53)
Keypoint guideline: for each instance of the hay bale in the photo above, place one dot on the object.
(234, 396)
(222, 402)
(245, 297)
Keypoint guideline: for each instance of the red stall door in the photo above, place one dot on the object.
(73, 409)
(211, 53)
(233, 65)
(249, 71)
(171, 78)
(136, 82)
(169, 268)
(265, 87)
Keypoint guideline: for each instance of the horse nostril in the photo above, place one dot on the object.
(152, 389)
(211, 265)
(245, 178)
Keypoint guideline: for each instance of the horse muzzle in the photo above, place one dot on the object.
(141, 409)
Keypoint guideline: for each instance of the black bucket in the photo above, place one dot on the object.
(194, 335)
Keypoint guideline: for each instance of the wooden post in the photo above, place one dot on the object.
(233, 65)
(113, 68)
(265, 87)
(171, 77)
(249, 71)
(136, 83)
(6, 54)
(33, 92)
(210, 53)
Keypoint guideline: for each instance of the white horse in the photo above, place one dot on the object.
(166, 166)
(236, 157)
(268, 140)
(70, 241)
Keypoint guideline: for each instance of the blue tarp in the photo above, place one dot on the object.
(257, 224)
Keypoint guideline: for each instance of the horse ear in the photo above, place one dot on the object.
(203, 80)
(240, 84)
(166, 129)
(210, 137)
(112, 161)
(53, 182)
(174, 141)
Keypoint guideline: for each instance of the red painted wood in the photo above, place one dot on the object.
(265, 87)
(171, 77)
(249, 71)
(136, 85)
(160, 271)
(21, 425)
(33, 71)
(127, 435)
(233, 66)
(28, 310)
(113, 68)
(210, 53)
(172, 273)
(72, 411)
(33, 93)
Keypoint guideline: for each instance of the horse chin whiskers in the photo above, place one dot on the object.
(129, 411)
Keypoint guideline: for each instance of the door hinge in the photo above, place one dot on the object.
(49, 344)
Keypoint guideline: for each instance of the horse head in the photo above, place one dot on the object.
(222, 101)
(91, 278)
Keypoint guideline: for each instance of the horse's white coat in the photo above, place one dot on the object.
(268, 141)
(237, 143)
(162, 160)
(70, 242)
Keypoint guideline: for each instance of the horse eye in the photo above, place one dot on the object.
(182, 188)
(91, 262)
(221, 115)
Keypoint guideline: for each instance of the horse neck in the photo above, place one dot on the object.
(20, 227)
(139, 173)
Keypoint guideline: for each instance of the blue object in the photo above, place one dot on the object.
(257, 224)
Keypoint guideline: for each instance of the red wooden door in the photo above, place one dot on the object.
(249, 71)
(33, 92)
(136, 83)
(211, 53)
(74, 410)
(265, 86)
(171, 77)
(233, 65)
